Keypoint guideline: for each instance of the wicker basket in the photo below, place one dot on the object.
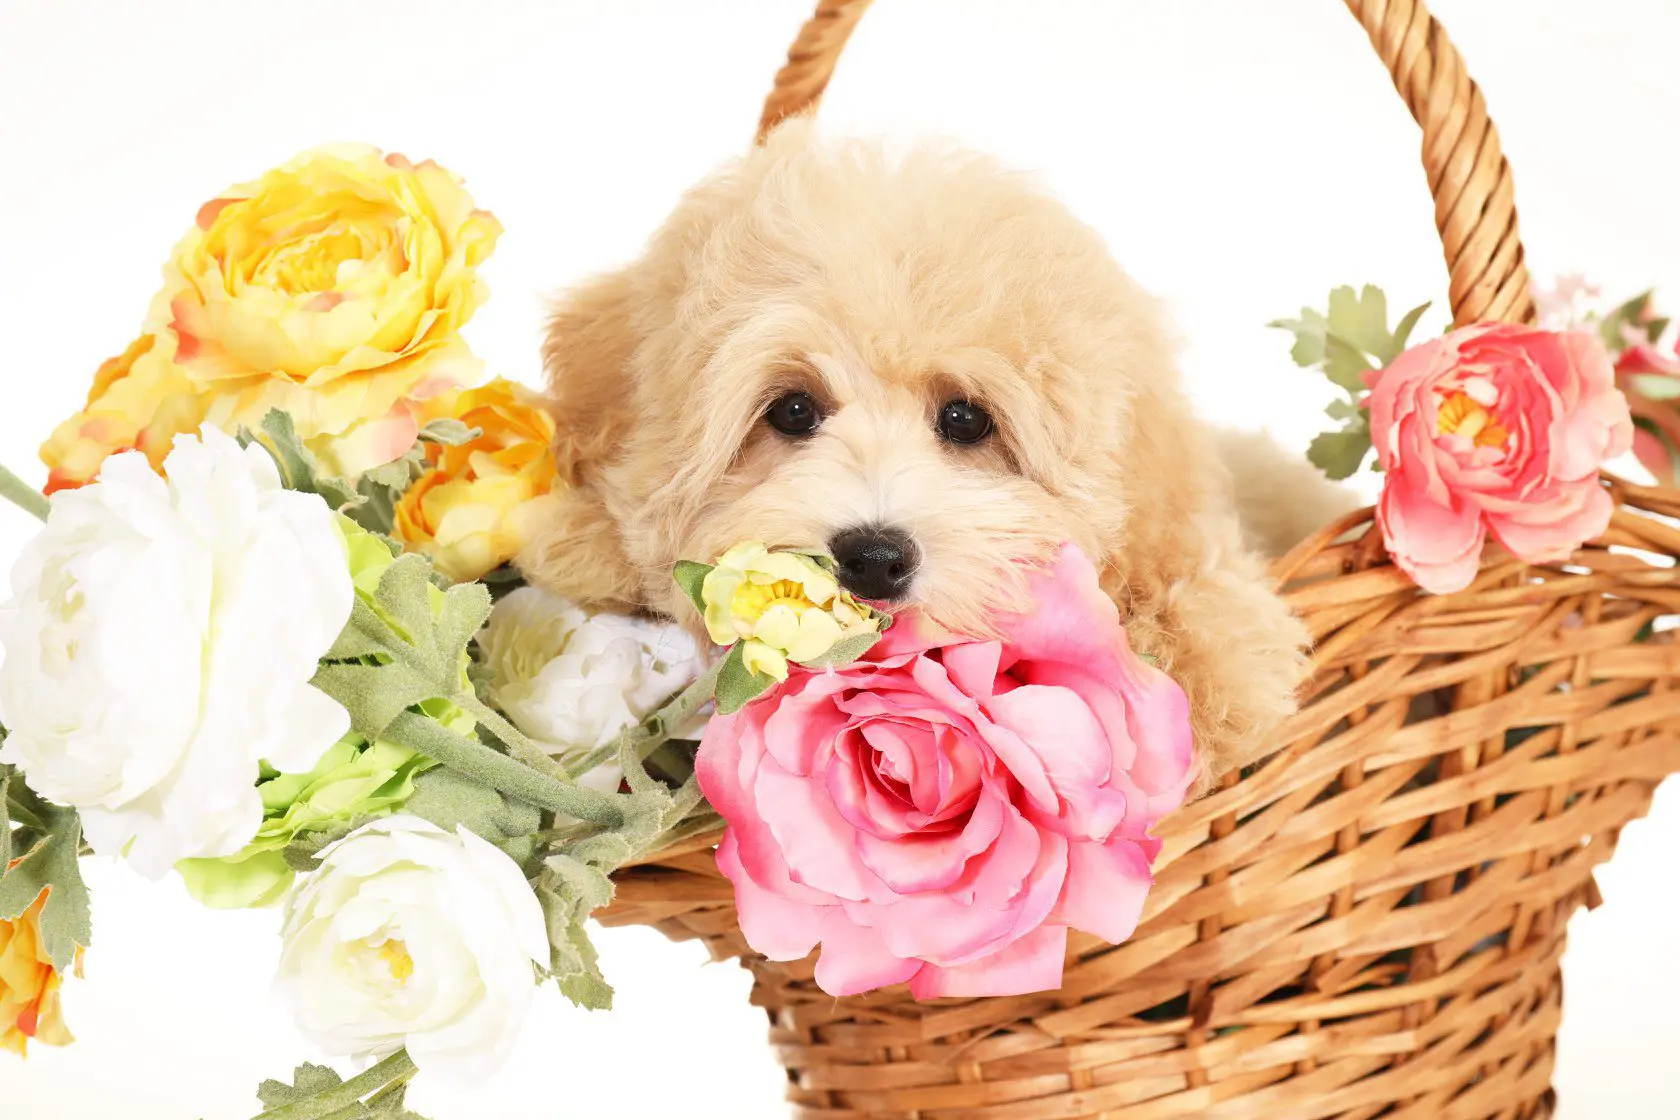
(1370, 922)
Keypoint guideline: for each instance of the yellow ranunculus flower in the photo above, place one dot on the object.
(29, 984)
(140, 400)
(334, 288)
(782, 606)
(479, 503)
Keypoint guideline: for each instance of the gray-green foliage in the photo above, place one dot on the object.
(371, 500)
(318, 1093)
(1346, 343)
(396, 653)
(46, 841)
(299, 469)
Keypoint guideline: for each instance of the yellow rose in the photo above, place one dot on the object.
(782, 606)
(478, 504)
(29, 1007)
(140, 400)
(335, 288)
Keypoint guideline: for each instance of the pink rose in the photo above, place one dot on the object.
(943, 811)
(1494, 427)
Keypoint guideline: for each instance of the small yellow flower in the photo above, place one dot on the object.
(782, 606)
(29, 984)
(334, 288)
(140, 400)
(480, 502)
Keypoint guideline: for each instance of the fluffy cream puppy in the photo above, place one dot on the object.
(924, 365)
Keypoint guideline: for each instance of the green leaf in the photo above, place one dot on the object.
(318, 1093)
(1343, 410)
(569, 890)
(1352, 339)
(1345, 365)
(449, 432)
(298, 468)
(395, 653)
(1308, 330)
(26, 809)
(307, 1080)
(396, 475)
(578, 888)
(1402, 332)
(447, 799)
(844, 652)
(691, 577)
(381, 489)
(6, 776)
(738, 685)
(1338, 454)
(1655, 386)
(1361, 319)
(584, 985)
(52, 862)
(389, 1105)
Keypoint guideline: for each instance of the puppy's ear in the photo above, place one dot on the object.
(587, 354)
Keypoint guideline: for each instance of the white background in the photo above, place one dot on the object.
(1241, 157)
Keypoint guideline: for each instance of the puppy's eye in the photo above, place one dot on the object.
(963, 422)
(794, 414)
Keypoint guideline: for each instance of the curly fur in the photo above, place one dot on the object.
(885, 285)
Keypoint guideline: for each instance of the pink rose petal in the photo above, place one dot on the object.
(1032, 964)
(1105, 888)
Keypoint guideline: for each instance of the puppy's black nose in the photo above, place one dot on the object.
(875, 563)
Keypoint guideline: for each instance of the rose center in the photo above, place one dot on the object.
(396, 958)
(1459, 414)
(751, 600)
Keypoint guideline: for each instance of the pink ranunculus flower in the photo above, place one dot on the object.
(944, 810)
(1500, 428)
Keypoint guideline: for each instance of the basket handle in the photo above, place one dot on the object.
(1475, 209)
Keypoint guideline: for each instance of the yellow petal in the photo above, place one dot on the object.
(717, 591)
(778, 626)
(760, 658)
(816, 635)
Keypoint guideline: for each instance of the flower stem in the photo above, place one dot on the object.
(23, 495)
(657, 728)
(500, 772)
(341, 1099)
(690, 700)
(510, 736)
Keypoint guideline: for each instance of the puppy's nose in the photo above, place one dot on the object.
(875, 563)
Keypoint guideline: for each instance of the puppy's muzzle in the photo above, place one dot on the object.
(875, 562)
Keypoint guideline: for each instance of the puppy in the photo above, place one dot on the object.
(928, 368)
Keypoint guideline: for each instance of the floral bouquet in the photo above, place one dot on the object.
(272, 637)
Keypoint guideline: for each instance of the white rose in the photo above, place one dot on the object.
(160, 640)
(407, 935)
(572, 680)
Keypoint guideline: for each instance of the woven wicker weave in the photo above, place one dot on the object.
(1369, 923)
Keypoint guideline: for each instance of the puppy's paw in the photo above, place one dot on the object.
(1235, 648)
(1243, 682)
